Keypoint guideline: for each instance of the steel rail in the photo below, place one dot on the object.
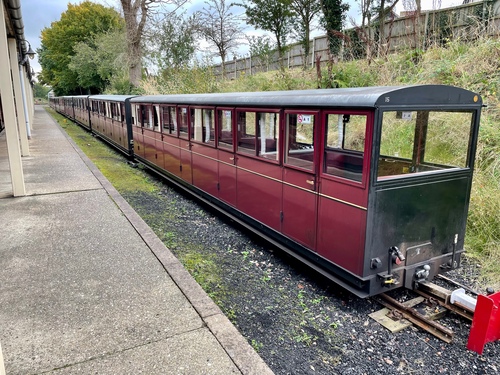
(442, 297)
(451, 281)
(416, 318)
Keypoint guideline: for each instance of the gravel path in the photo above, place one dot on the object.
(299, 322)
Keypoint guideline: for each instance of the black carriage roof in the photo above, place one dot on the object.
(364, 97)
(114, 98)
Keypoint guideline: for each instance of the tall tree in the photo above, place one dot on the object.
(384, 9)
(79, 23)
(136, 13)
(172, 41)
(262, 50)
(100, 61)
(305, 12)
(334, 15)
(365, 31)
(413, 8)
(274, 16)
(221, 28)
(40, 91)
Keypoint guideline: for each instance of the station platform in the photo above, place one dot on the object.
(86, 287)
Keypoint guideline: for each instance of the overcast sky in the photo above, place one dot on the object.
(38, 14)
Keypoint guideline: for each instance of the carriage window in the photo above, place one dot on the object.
(135, 115)
(169, 119)
(225, 129)
(423, 141)
(114, 111)
(146, 116)
(344, 145)
(268, 135)
(156, 116)
(183, 122)
(203, 125)
(300, 140)
(122, 112)
(258, 134)
(246, 132)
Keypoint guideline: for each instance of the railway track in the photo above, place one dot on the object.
(433, 303)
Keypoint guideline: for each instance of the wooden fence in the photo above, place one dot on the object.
(409, 31)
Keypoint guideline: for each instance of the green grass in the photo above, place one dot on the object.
(257, 346)
(202, 267)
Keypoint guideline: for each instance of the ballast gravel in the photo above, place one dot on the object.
(299, 322)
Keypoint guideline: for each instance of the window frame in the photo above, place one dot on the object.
(211, 143)
(316, 138)
(218, 129)
(188, 122)
(278, 131)
(451, 169)
(169, 133)
(366, 153)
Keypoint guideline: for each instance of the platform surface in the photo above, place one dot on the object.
(85, 285)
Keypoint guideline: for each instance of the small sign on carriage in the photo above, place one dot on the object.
(304, 119)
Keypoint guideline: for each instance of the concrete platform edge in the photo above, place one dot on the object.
(234, 344)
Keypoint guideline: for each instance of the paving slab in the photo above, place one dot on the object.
(190, 353)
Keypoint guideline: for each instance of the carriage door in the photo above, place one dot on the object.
(226, 155)
(343, 192)
(299, 213)
(138, 130)
(185, 144)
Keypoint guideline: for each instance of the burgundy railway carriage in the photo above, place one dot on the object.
(58, 104)
(369, 186)
(52, 102)
(81, 112)
(67, 107)
(108, 119)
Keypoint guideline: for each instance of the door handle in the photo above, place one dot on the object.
(231, 158)
(310, 182)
